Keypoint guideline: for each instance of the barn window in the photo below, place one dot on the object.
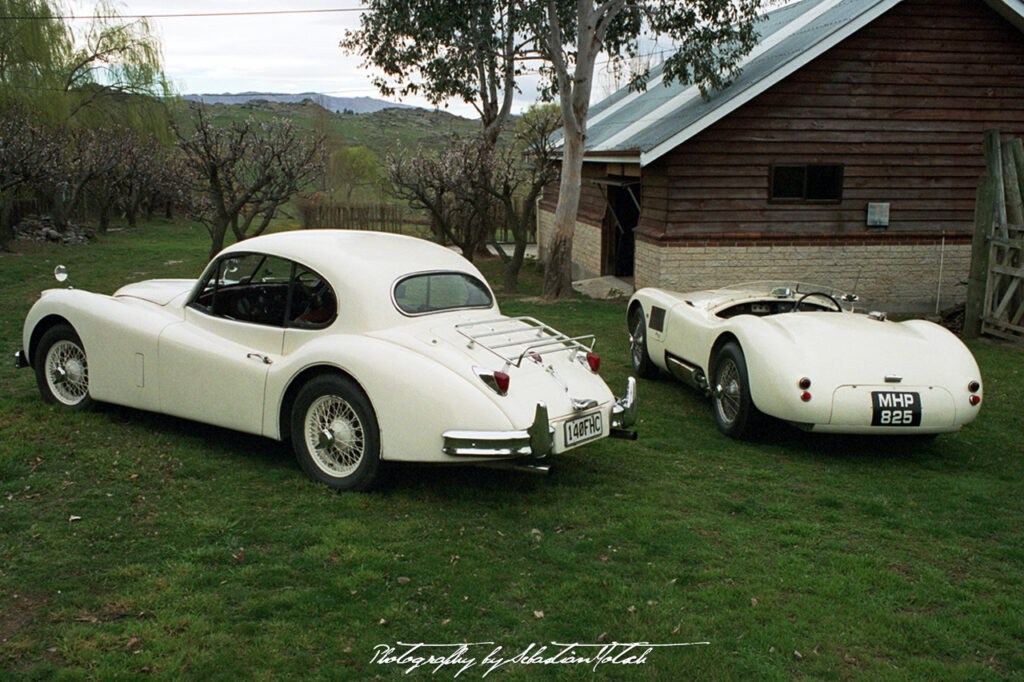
(806, 183)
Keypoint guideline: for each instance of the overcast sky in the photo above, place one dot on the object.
(269, 53)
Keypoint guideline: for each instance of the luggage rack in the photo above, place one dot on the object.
(534, 338)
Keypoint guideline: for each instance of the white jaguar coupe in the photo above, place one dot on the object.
(357, 346)
(800, 353)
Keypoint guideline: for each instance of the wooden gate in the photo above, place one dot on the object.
(1004, 291)
(995, 292)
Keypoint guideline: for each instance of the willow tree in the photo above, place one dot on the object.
(33, 52)
(81, 73)
(711, 37)
(114, 72)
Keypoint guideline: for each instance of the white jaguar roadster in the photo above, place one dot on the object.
(357, 346)
(794, 352)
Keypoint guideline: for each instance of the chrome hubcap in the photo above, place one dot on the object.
(67, 372)
(334, 436)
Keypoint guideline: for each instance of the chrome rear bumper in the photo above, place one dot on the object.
(624, 409)
(535, 441)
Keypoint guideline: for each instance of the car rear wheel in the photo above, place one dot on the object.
(62, 368)
(335, 434)
(641, 360)
(735, 413)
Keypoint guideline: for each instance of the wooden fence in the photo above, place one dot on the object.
(316, 213)
(379, 217)
(995, 295)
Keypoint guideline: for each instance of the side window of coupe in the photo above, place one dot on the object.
(313, 302)
(266, 290)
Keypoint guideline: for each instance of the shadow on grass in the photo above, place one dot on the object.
(441, 480)
(850, 448)
(214, 440)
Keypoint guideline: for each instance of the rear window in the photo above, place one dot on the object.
(432, 292)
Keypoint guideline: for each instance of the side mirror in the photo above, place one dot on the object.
(60, 273)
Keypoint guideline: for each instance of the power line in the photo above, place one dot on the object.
(189, 15)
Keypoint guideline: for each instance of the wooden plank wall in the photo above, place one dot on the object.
(902, 105)
(592, 203)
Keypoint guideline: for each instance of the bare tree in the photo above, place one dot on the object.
(242, 173)
(29, 155)
(516, 178)
(447, 186)
(87, 155)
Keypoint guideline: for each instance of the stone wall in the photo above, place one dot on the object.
(586, 250)
(896, 277)
(891, 272)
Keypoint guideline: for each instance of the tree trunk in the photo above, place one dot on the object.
(103, 223)
(558, 274)
(218, 231)
(513, 265)
(6, 226)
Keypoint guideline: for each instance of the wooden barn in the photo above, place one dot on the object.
(847, 152)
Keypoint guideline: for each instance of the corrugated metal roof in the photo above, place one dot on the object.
(647, 125)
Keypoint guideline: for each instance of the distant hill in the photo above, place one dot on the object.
(356, 105)
(389, 130)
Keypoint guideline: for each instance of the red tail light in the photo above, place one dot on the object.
(594, 360)
(974, 400)
(974, 386)
(805, 396)
(497, 381)
(804, 383)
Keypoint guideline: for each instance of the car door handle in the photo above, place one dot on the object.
(261, 357)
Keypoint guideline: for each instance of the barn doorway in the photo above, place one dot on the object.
(622, 214)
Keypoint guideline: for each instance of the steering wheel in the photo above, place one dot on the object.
(796, 306)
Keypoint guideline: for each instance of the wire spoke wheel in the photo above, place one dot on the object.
(728, 391)
(637, 345)
(67, 372)
(735, 412)
(640, 359)
(334, 435)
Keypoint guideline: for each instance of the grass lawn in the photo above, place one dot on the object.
(133, 543)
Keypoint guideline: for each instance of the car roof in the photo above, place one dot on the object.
(339, 254)
(362, 267)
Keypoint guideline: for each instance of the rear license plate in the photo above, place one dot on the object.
(581, 429)
(892, 408)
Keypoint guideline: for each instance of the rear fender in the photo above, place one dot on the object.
(774, 372)
(414, 398)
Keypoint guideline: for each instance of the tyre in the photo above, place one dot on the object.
(735, 413)
(335, 434)
(62, 368)
(641, 360)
